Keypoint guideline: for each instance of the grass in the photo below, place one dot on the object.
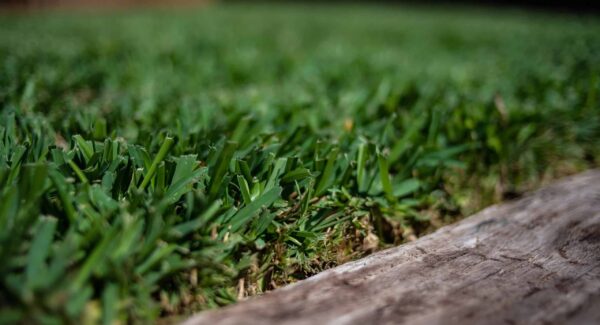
(159, 163)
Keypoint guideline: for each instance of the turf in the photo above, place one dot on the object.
(159, 163)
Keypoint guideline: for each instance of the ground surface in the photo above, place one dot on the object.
(156, 163)
(532, 261)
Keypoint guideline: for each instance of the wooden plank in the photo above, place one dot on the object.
(532, 261)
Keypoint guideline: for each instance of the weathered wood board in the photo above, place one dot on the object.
(531, 261)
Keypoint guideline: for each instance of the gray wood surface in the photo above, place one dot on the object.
(535, 260)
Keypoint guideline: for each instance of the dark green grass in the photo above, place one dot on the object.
(155, 164)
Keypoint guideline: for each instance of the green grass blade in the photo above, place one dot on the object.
(244, 215)
(39, 251)
(244, 189)
(162, 153)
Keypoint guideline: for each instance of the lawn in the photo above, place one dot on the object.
(157, 163)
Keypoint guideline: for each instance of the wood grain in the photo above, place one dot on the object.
(531, 261)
